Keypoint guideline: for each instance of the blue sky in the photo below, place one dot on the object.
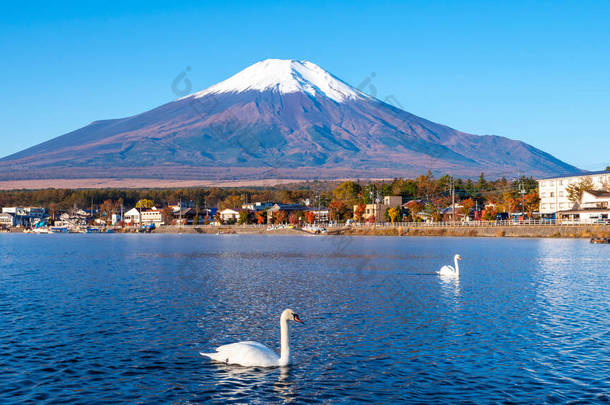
(534, 71)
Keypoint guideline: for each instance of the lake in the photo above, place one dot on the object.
(122, 318)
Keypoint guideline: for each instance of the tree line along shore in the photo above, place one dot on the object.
(475, 207)
(433, 194)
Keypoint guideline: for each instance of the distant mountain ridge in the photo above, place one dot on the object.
(276, 119)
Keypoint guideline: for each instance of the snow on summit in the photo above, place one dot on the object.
(286, 76)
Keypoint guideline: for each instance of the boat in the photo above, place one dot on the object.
(42, 230)
(600, 240)
(59, 229)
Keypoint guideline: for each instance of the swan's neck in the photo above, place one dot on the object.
(457, 266)
(284, 342)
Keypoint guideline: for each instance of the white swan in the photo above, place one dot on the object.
(449, 270)
(254, 354)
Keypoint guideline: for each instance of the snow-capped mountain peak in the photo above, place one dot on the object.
(286, 76)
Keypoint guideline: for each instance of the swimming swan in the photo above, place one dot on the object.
(450, 271)
(254, 354)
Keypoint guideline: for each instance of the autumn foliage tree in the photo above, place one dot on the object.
(394, 214)
(167, 213)
(338, 210)
(280, 217)
(489, 213)
(532, 200)
(310, 217)
(260, 218)
(359, 212)
(415, 207)
(109, 207)
(467, 206)
(232, 201)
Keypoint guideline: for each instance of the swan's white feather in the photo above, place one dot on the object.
(447, 271)
(248, 354)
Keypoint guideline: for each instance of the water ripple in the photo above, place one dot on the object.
(121, 318)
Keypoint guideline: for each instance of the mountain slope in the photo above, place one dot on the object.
(274, 119)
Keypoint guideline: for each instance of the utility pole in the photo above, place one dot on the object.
(452, 199)
(522, 192)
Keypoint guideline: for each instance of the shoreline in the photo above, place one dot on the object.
(552, 231)
(502, 231)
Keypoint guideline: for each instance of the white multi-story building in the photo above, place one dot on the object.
(151, 216)
(132, 216)
(553, 194)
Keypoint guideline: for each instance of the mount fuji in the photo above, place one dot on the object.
(275, 119)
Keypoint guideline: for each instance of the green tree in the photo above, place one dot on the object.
(244, 217)
(145, 204)
(434, 211)
(482, 184)
(348, 192)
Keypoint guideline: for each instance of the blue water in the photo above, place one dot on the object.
(122, 318)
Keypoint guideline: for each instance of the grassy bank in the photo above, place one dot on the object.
(553, 231)
(574, 231)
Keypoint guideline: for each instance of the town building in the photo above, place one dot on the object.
(321, 214)
(7, 220)
(594, 207)
(188, 216)
(73, 219)
(229, 215)
(115, 219)
(132, 217)
(553, 194)
(258, 206)
(376, 212)
(25, 216)
(152, 216)
(287, 208)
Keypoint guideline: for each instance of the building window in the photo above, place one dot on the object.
(552, 194)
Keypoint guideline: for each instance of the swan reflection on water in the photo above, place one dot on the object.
(450, 278)
(237, 382)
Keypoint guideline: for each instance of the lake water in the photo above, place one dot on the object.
(122, 318)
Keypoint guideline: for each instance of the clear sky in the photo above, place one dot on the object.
(534, 71)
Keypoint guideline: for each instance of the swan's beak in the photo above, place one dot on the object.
(296, 318)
